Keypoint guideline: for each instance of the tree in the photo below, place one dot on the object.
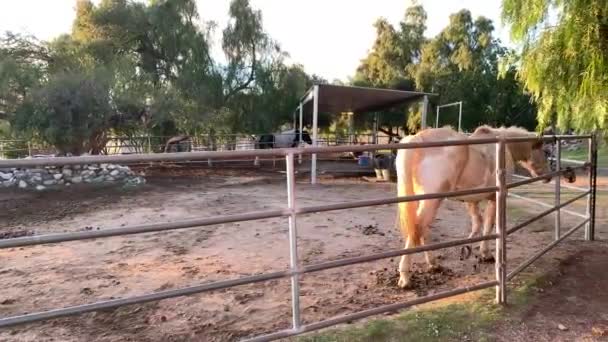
(462, 64)
(564, 59)
(132, 68)
(390, 64)
(70, 112)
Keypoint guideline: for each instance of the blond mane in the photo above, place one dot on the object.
(519, 151)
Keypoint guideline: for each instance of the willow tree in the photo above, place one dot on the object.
(564, 60)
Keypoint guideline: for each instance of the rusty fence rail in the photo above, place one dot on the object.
(292, 211)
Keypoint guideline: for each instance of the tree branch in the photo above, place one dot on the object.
(250, 79)
(389, 133)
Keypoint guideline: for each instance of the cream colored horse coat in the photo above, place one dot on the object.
(453, 168)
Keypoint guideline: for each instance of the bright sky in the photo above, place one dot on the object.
(329, 37)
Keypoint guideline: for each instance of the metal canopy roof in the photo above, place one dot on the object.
(339, 99)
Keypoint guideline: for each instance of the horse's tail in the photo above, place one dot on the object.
(405, 187)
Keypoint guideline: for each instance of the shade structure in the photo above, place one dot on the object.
(340, 99)
(329, 98)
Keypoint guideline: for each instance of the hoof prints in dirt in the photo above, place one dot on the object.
(15, 234)
(420, 281)
(369, 230)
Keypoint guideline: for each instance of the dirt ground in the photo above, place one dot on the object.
(45, 277)
(569, 303)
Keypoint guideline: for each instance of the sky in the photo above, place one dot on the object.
(328, 37)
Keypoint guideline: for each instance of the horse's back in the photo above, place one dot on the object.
(433, 169)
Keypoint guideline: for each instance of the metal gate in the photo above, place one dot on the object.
(292, 210)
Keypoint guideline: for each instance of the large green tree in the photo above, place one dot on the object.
(146, 68)
(564, 58)
(462, 64)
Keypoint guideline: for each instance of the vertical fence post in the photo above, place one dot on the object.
(592, 160)
(293, 238)
(301, 129)
(558, 188)
(29, 148)
(501, 222)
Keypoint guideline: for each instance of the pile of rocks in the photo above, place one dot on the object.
(56, 176)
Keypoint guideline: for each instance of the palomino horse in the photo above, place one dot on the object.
(453, 168)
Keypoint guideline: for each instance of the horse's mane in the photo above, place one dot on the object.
(519, 150)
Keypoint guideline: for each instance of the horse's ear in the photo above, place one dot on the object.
(537, 144)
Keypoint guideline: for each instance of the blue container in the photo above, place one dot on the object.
(363, 161)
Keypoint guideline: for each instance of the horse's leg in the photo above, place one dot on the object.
(404, 267)
(476, 221)
(427, 210)
(488, 224)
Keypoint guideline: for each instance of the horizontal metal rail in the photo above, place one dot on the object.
(115, 303)
(181, 156)
(541, 178)
(391, 200)
(566, 186)
(546, 212)
(543, 204)
(537, 255)
(157, 227)
(370, 312)
(146, 228)
(570, 161)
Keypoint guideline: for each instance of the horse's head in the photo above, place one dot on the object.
(537, 160)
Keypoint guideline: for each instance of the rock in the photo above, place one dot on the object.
(9, 183)
(76, 167)
(103, 166)
(110, 179)
(114, 173)
(58, 176)
(49, 182)
(68, 184)
(67, 172)
(5, 176)
(22, 184)
(60, 182)
(40, 187)
(99, 179)
(111, 167)
(76, 180)
(36, 179)
(562, 327)
(37, 171)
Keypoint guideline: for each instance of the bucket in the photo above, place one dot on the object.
(363, 161)
(386, 175)
(378, 174)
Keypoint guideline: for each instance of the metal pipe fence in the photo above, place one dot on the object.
(292, 211)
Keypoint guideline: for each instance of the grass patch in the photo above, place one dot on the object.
(469, 317)
(581, 154)
(467, 320)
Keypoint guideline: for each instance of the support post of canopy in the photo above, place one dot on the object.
(425, 107)
(300, 128)
(315, 120)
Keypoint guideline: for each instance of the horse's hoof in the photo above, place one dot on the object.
(487, 259)
(465, 252)
(434, 268)
(403, 283)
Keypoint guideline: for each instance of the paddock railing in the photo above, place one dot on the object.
(293, 210)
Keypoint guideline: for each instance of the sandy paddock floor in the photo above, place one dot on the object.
(45, 277)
